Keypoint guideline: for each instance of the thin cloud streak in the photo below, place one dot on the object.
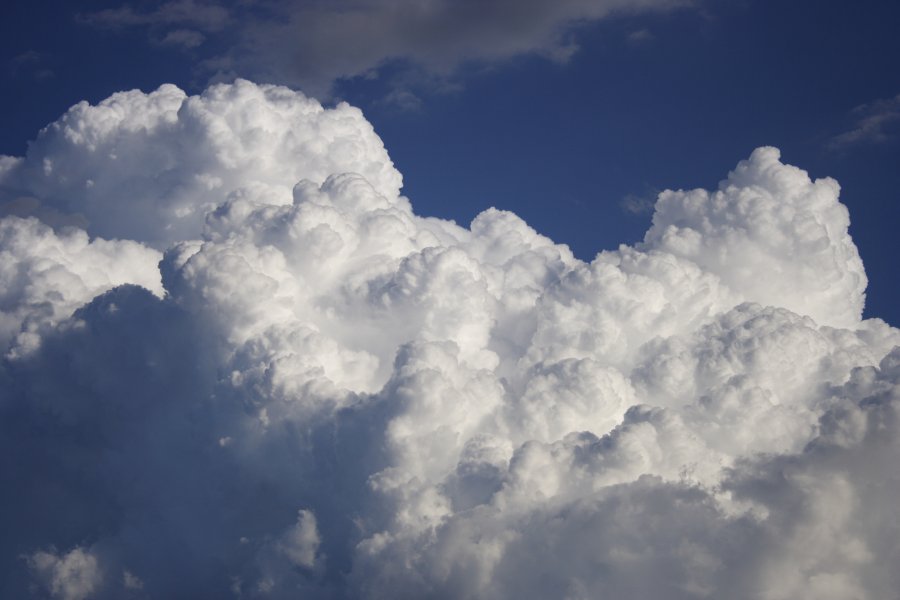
(875, 123)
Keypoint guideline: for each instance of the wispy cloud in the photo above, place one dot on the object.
(640, 36)
(875, 122)
(638, 204)
(311, 45)
(29, 63)
(207, 16)
(183, 23)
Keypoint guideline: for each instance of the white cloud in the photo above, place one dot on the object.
(149, 167)
(183, 37)
(461, 412)
(72, 576)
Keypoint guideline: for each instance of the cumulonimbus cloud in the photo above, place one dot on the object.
(237, 364)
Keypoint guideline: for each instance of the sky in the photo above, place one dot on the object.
(406, 298)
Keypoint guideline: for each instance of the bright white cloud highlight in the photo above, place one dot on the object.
(149, 167)
(45, 276)
(307, 389)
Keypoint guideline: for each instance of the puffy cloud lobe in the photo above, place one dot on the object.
(45, 276)
(301, 541)
(772, 235)
(73, 576)
(318, 392)
(149, 167)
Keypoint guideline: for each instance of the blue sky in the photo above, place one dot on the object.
(634, 102)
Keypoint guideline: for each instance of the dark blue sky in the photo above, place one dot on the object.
(648, 101)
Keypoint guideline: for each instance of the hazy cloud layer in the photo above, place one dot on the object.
(311, 44)
(249, 369)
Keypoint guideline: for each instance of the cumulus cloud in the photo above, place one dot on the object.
(148, 167)
(301, 541)
(45, 276)
(313, 44)
(249, 369)
(769, 219)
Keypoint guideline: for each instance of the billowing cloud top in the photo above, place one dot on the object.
(238, 365)
(149, 167)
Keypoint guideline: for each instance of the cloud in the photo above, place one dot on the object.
(206, 16)
(808, 241)
(250, 369)
(183, 37)
(640, 36)
(148, 167)
(30, 63)
(637, 205)
(311, 45)
(46, 276)
(875, 123)
(73, 576)
(301, 541)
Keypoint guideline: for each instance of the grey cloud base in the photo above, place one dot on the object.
(236, 364)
